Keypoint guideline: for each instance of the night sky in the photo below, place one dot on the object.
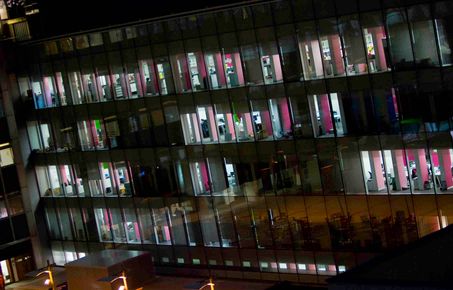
(66, 16)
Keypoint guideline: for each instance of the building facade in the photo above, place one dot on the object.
(16, 251)
(16, 254)
(278, 140)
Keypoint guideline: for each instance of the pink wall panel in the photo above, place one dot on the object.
(423, 170)
(379, 33)
(47, 95)
(446, 166)
(205, 175)
(325, 113)
(248, 121)
(266, 118)
(219, 69)
(399, 163)
(277, 67)
(376, 155)
(212, 124)
(335, 42)
(237, 63)
(230, 125)
(196, 127)
(63, 176)
(284, 111)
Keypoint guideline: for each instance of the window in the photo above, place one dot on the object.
(96, 39)
(331, 48)
(310, 51)
(399, 38)
(270, 59)
(375, 40)
(6, 157)
(354, 51)
(81, 42)
(246, 264)
(214, 63)
(180, 67)
(442, 16)
(232, 61)
(302, 267)
(282, 266)
(115, 35)
(3, 210)
(423, 38)
(291, 61)
(148, 76)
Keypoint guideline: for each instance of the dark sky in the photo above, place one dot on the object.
(65, 16)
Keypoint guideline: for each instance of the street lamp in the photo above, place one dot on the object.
(49, 281)
(123, 278)
(211, 284)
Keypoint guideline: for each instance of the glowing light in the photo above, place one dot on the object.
(47, 282)
(11, 3)
(121, 287)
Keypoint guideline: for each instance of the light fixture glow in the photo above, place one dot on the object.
(121, 287)
(47, 282)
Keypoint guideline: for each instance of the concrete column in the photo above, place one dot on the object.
(324, 112)
(398, 167)
(196, 127)
(422, 168)
(27, 179)
(212, 125)
(378, 178)
(229, 125)
(445, 167)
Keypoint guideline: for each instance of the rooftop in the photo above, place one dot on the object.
(426, 261)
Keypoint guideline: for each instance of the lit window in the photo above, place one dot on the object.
(229, 263)
(6, 157)
(322, 268)
(246, 264)
(165, 260)
(332, 268)
(196, 261)
(3, 11)
(212, 262)
(302, 267)
(282, 266)
(264, 265)
(341, 268)
(180, 260)
(115, 35)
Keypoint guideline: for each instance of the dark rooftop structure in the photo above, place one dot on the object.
(423, 264)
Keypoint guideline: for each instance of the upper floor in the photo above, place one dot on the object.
(244, 46)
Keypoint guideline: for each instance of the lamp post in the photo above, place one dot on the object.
(123, 278)
(211, 284)
(49, 281)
